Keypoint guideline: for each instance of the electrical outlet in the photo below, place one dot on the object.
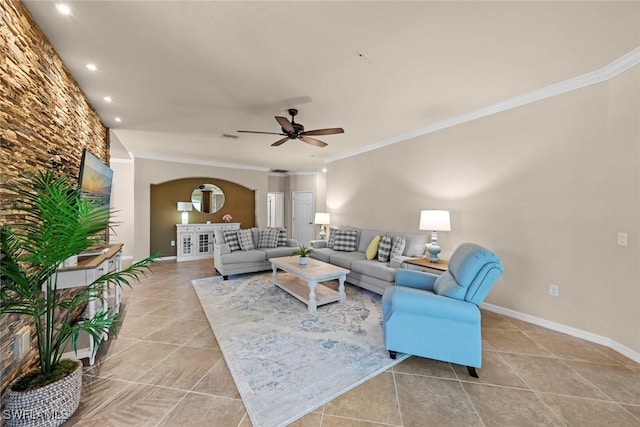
(554, 290)
(21, 343)
(622, 239)
(173, 243)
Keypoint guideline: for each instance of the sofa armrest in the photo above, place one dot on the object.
(293, 243)
(415, 279)
(408, 300)
(221, 249)
(318, 244)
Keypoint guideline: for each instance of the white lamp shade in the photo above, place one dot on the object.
(322, 218)
(185, 206)
(435, 220)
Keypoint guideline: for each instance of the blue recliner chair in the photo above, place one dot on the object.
(438, 316)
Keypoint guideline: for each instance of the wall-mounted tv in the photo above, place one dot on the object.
(95, 179)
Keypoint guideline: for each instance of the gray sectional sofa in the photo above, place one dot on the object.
(372, 274)
(228, 262)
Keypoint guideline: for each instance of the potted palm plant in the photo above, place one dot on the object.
(303, 252)
(58, 224)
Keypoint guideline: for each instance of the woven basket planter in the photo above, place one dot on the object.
(48, 406)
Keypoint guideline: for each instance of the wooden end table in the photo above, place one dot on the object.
(423, 264)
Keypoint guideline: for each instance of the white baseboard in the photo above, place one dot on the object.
(578, 333)
(167, 258)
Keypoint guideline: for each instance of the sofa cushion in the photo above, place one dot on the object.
(346, 240)
(268, 238)
(322, 254)
(282, 237)
(252, 255)
(344, 259)
(231, 239)
(366, 236)
(414, 244)
(384, 249)
(397, 246)
(278, 252)
(373, 268)
(245, 237)
(372, 249)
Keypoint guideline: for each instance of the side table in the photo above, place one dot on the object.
(423, 264)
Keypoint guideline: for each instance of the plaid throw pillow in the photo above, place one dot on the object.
(231, 239)
(246, 240)
(384, 249)
(282, 237)
(397, 246)
(345, 240)
(268, 238)
(332, 237)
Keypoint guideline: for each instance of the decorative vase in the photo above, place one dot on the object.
(48, 406)
(303, 260)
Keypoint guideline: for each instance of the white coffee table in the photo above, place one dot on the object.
(304, 281)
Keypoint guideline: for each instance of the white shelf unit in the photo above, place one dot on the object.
(195, 241)
(88, 270)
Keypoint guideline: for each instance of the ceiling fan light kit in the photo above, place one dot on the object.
(293, 130)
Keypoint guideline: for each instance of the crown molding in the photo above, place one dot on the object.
(148, 156)
(610, 71)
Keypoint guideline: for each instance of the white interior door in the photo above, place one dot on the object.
(302, 216)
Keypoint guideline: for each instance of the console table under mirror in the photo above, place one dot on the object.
(195, 241)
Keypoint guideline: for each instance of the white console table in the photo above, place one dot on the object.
(195, 241)
(88, 270)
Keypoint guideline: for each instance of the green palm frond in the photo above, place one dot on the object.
(57, 224)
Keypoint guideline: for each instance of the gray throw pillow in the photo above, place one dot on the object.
(332, 237)
(282, 237)
(231, 239)
(345, 240)
(245, 237)
(268, 238)
(384, 249)
(397, 246)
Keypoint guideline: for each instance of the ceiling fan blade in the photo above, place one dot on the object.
(255, 131)
(330, 131)
(285, 124)
(313, 141)
(280, 142)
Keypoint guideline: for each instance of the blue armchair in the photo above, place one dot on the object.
(438, 316)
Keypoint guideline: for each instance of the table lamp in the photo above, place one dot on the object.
(323, 219)
(434, 220)
(185, 207)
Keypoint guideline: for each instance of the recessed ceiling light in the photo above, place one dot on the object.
(92, 67)
(63, 9)
(324, 170)
(118, 119)
(107, 99)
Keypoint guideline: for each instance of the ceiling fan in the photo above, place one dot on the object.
(293, 130)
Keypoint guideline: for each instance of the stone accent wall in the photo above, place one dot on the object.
(45, 122)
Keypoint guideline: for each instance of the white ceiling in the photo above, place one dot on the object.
(182, 73)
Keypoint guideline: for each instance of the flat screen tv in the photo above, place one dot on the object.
(95, 184)
(95, 179)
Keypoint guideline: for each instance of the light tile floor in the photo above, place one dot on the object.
(165, 369)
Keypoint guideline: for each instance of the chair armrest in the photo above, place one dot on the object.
(415, 279)
(409, 300)
(292, 243)
(221, 248)
(318, 244)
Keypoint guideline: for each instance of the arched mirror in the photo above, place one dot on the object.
(207, 198)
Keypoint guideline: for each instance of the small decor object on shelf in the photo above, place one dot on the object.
(303, 252)
(227, 218)
(58, 223)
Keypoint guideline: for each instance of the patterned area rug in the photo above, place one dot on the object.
(286, 361)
